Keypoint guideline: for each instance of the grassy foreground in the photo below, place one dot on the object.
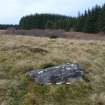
(19, 54)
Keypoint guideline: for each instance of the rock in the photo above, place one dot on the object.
(57, 74)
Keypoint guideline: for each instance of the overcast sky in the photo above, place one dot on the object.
(12, 10)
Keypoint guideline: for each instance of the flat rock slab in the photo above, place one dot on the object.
(56, 75)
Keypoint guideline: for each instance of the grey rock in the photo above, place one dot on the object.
(57, 74)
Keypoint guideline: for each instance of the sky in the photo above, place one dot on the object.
(11, 11)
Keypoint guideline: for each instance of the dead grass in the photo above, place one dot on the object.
(16, 89)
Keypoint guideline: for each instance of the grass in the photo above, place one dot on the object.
(16, 89)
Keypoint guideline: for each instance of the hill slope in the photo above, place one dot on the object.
(19, 54)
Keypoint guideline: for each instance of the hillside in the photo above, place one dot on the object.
(90, 21)
(19, 54)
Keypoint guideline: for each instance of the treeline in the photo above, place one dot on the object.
(92, 21)
(7, 26)
(51, 21)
